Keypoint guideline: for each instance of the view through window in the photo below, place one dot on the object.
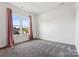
(25, 25)
(20, 24)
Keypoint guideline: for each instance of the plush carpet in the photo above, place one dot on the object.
(40, 48)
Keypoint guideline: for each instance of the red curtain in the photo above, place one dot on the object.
(30, 32)
(10, 28)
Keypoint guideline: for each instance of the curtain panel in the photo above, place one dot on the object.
(30, 30)
(10, 28)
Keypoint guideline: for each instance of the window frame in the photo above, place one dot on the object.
(20, 22)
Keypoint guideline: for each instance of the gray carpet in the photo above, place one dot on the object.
(40, 48)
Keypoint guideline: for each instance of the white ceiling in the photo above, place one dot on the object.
(36, 7)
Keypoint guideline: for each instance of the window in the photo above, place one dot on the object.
(16, 24)
(20, 24)
(25, 24)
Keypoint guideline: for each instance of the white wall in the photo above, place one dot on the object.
(3, 21)
(77, 26)
(20, 38)
(34, 25)
(58, 24)
(3, 35)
